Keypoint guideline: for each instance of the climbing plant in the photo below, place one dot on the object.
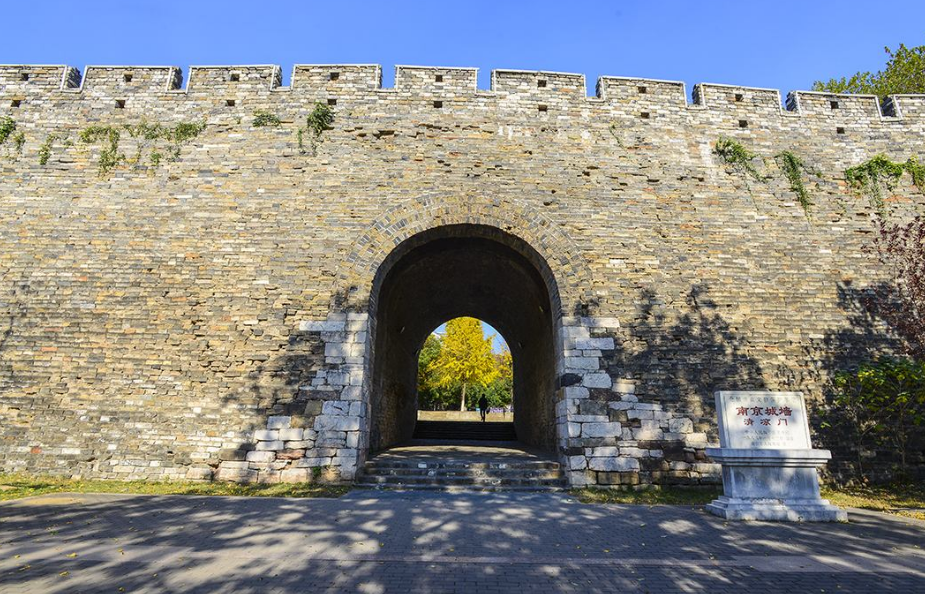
(793, 168)
(737, 156)
(45, 149)
(7, 127)
(110, 156)
(8, 132)
(147, 135)
(263, 118)
(878, 172)
(917, 171)
(176, 136)
(319, 120)
(18, 141)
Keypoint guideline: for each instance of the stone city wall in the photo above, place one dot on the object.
(184, 293)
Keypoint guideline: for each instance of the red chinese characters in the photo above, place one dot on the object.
(768, 411)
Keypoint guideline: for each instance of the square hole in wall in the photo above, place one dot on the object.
(644, 115)
(332, 101)
(438, 78)
(127, 77)
(833, 104)
(334, 76)
(229, 102)
(543, 108)
(739, 97)
(642, 90)
(839, 130)
(743, 123)
(234, 77)
(120, 103)
(15, 102)
(438, 104)
(24, 76)
(541, 83)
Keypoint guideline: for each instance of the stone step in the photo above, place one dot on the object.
(515, 474)
(461, 465)
(443, 481)
(465, 430)
(459, 489)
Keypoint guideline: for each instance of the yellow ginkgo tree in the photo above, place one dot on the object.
(465, 357)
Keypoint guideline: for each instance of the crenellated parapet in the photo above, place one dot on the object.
(231, 86)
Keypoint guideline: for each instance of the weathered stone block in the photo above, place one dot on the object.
(289, 434)
(261, 456)
(613, 464)
(600, 429)
(681, 426)
(279, 422)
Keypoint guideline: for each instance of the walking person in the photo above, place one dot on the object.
(483, 407)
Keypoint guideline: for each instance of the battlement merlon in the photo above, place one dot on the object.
(20, 83)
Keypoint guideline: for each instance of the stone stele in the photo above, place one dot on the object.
(769, 466)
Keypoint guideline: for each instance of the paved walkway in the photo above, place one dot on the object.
(376, 542)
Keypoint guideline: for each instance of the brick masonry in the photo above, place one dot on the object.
(207, 315)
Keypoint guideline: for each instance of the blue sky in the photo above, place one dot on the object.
(766, 44)
(497, 342)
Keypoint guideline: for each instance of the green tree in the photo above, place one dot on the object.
(431, 396)
(465, 358)
(882, 402)
(904, 73)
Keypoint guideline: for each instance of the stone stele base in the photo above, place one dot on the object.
(776, 485)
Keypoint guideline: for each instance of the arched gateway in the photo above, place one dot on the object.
(463, 270)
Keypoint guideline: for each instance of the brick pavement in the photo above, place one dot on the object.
(377, 542)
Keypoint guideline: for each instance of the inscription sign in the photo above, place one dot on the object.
(762, 420)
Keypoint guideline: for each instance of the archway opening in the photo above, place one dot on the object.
(462, 271)
(465, 373)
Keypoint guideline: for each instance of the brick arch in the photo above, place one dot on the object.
(557, 252)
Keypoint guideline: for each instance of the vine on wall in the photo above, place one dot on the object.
(147, 135)
(737, 156)
(45, 149)
(319, 120)
(8, 132)
(793, 168)
(879, 173)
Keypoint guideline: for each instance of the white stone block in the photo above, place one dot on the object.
(337, 423)
(601, 429)
(589, 363)
(603, 344)
(352, 393)
(614, 464)
(295, 475)
(274, 446)
(279, 422)
(577, 462)
(290, 434)
(603, 452)
(326, 326)
(259, 456)
(576, 392)
(266, 434)
(681, 426)
(335, 407)
(596, 380)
